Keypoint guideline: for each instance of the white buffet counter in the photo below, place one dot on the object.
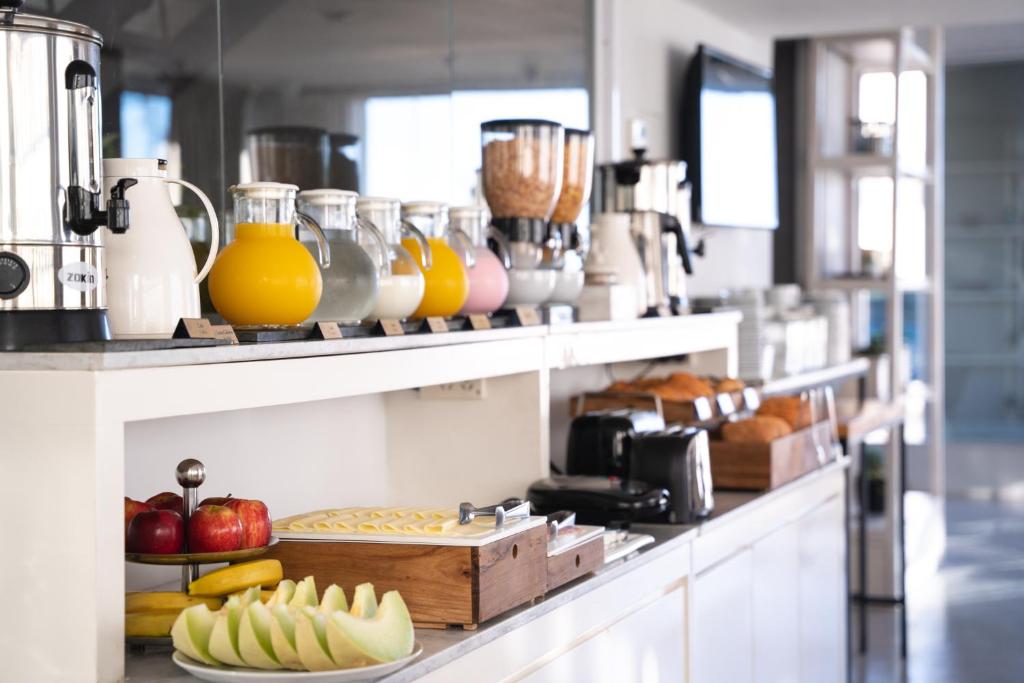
(756, 593)
(309, 424)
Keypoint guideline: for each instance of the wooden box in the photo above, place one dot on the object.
(575, 562)
(441, 584)
(759, 467)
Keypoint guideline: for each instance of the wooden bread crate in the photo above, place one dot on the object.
(763, 466)
(441, 584)
(684, 412)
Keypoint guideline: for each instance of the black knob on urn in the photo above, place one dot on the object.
(14, 275)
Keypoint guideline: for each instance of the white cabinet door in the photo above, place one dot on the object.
(776, 606)
(722, 628)
(648, 645)
(822, 595)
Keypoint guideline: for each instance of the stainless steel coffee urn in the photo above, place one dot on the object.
(657, 195)
(51, 204)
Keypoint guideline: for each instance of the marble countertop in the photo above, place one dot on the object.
(443, 646)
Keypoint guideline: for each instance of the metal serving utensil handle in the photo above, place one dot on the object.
(508, 510)
(190, 474)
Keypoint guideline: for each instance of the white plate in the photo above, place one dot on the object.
(231, 674)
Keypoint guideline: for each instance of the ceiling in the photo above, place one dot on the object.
(799, 18)
(985, 43)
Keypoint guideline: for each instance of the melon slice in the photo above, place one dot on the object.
(254, 642)
(224, 639)
(355, 641)
(252, 594)
(305, 594)
(282, 637)
(191, 633)
(334, 600)
(364, 601)
(283, 595)
(311, 640)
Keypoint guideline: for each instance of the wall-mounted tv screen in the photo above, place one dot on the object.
(729, 142)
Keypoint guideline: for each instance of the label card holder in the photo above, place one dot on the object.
(479, 321)
(193, 328)
(435, 325)
(527, 316)
(224, 333)
(326, 330)
(725, 404)
(389, 327)
(751, 399)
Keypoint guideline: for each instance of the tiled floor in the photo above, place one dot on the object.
(967, 622)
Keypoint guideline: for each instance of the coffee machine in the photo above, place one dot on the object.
(657, 196)
(52, 279)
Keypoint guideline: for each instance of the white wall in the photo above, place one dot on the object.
(642, 48)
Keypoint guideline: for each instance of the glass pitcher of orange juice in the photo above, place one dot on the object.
(265, 277)
(447, 281)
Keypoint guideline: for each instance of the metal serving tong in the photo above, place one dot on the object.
(511, 509)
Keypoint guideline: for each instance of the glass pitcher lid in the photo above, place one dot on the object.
(430, 217)
(472, 220)
(264, 190)
(329, 197)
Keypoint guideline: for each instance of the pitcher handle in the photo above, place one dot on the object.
(501, 246)
(426, 257)
(384, 263)
(467, 246)
(214, 225)
(323, 248)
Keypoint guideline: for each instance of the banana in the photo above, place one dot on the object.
(237, 577)
(150, 624)
(161, 601)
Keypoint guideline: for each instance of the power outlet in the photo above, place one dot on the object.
(469, 390)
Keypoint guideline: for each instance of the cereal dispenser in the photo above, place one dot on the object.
(522, 165)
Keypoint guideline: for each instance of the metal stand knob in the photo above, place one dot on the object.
(191, 474)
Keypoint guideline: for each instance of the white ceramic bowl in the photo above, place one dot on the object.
(529, 287)
(568, 285)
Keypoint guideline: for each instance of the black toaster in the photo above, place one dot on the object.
(677, 459)
(599, 500)
(599, 441)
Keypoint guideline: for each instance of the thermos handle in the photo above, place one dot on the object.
(426, 257)
(384, 264)
(466, 244)
(323, 247)
(214, 225)
(501, 246)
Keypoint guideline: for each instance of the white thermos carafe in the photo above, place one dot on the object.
(151, 271)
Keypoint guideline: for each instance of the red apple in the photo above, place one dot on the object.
(167, 501)
(216, 500)
(255, 521)
(132, 508)
(214, 529)
(156, 531)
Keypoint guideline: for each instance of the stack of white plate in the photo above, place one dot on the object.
(756, 353)
(835, 307)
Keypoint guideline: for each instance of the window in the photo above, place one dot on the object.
(428, 146)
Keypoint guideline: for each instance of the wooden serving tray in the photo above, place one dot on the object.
(443, 585)
(759, 467)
